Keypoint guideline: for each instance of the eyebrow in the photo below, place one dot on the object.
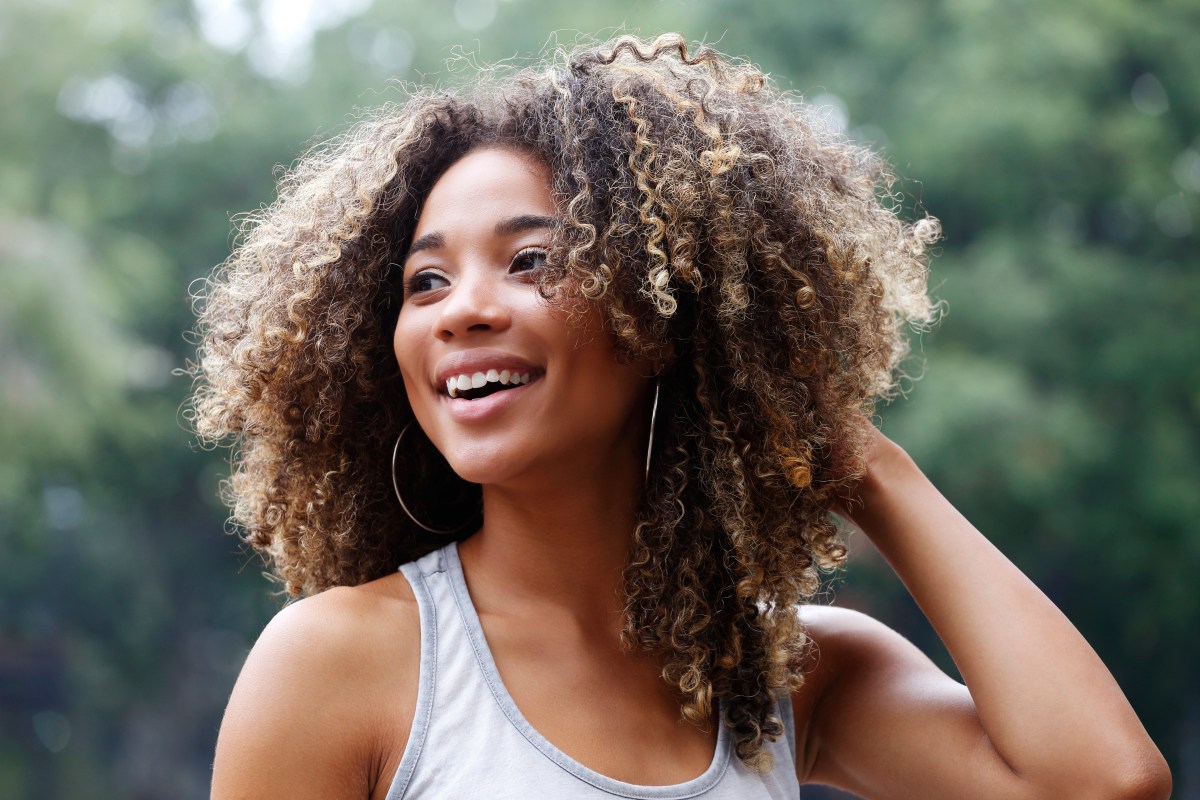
(524, 222)
(430, 241)
(505, 227)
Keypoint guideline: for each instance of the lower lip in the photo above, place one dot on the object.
(485, 408)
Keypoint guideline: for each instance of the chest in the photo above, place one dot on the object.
(513, 708)
(605, 708)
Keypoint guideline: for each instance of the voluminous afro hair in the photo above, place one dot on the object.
(725, 233)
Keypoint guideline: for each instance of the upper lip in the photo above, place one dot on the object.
(468, 362)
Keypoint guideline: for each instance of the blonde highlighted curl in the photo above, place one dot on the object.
(726, 233)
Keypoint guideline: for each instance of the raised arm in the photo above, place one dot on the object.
(1040, 716)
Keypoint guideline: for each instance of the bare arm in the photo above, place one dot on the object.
(1040, 716)
(324, 702)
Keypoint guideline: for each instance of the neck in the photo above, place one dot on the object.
(562, 542)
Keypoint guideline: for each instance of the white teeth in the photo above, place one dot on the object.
(477, 380)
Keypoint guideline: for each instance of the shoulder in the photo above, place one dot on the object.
(351, 633)
(325, 700)
(867, 688)
(839, 638)
(852, 647)
(843, 642)
(845, 638)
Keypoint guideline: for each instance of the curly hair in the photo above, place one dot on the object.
(723, 230)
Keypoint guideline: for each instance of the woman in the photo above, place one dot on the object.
(589, 352)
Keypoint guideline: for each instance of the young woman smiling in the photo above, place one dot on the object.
(588, 354)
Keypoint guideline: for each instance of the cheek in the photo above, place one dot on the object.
(609, 393)
(608, 387)
(406, 353)
(398, 338)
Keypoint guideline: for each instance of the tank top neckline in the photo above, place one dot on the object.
(487, 664)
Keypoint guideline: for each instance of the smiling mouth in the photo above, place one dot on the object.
(481, 384)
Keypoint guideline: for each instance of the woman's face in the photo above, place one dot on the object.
(499, 381)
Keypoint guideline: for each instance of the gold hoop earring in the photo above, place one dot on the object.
(653, 416)
(396, 487)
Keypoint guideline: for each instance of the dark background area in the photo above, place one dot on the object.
(1057, 404)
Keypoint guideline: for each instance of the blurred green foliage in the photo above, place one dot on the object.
(1058, 403)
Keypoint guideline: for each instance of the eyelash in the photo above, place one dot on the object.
(529, 251)
(414, 284)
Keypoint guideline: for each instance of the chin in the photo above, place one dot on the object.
(487, 469)
(476, 473)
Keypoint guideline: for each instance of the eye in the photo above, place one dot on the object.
(424, 281)
(531, 259)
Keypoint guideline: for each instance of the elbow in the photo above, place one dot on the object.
(1148, 780)
(1141, 777)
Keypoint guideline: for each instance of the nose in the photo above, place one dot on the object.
(475, 304)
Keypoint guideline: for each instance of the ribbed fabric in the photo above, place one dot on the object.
(470, 740)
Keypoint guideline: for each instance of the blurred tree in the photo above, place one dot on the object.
(1056, 141)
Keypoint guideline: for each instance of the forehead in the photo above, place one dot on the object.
(485, 185)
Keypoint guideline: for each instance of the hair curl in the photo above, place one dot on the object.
(725, 232)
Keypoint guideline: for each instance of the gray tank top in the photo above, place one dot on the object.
(470, 740)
